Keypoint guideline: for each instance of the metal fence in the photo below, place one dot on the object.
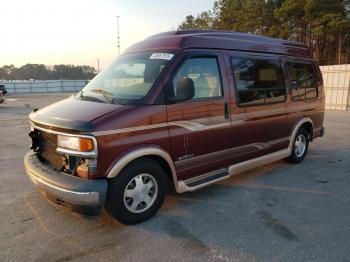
(336, 80)
(47, 86)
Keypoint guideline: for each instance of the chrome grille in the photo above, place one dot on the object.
(47, 149)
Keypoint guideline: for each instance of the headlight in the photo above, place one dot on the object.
(81, 144)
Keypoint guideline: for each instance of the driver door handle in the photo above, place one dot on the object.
(227, 110)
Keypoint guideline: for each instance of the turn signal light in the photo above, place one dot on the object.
(86, 144)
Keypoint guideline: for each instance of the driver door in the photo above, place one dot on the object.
(200, 127)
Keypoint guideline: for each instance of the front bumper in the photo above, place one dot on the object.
(81, 195)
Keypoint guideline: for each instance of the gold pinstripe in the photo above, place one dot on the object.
(190, 125)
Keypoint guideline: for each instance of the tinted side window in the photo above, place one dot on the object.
(258, 80)
(205, 74)
(302, 80)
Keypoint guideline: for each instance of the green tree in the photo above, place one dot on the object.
(43, 72)
(204, 20)
(323, 25)
(30, 71)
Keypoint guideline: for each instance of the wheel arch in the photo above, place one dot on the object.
(304, 122)
(308, 126)
(156, 153)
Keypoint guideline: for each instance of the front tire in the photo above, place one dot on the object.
(300, 147)
(137, 192)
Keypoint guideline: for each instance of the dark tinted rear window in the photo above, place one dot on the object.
(302, 80)
(258, 80)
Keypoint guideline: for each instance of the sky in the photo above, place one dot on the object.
(79, 32)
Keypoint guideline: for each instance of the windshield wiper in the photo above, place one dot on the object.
(106, 94)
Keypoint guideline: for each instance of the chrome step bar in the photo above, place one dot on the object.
(207, 179)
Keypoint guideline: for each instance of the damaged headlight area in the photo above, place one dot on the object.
(79, 166)
(79, 153)
(72, 154)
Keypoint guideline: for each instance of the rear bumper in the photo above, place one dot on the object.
(319, 132)
(81, 195)
(322, 130)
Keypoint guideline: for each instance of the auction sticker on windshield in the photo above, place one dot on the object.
(164, 56)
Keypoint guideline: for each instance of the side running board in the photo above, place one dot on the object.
(198, 182)
(195, 183)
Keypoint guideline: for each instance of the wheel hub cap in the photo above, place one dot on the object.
(140, 193)
(300, 145)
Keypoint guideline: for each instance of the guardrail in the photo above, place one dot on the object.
(47, 86)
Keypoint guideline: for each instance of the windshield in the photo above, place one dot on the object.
(128, 79)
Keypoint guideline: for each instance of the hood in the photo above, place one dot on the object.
(72, 114)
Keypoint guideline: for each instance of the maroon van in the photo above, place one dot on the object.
(183, 108)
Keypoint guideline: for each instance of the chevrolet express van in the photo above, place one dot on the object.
(183, 108)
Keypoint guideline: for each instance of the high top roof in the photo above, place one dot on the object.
(216, 39)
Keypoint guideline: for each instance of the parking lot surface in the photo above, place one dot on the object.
(279, 212)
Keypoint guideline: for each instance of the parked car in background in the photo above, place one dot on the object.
(3, 89)
(2, 97)
(186, 108)
(3, 92)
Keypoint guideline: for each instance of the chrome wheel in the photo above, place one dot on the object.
(140, 193)
(300, 145)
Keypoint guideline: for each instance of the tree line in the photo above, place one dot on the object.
(323, 25)
(43, 72)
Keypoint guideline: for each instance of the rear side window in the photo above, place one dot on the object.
(258, 81)
(205, 74)
(303, 81)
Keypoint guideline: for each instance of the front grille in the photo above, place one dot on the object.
(47, 149)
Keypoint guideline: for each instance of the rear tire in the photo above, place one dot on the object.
(300, 147)
(137, 192)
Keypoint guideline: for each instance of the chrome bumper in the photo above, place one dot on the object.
(82, 195)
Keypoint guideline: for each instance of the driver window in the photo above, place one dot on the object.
(205, 75)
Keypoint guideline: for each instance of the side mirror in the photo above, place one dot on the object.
(184, 90)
